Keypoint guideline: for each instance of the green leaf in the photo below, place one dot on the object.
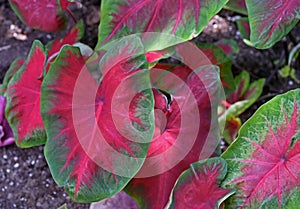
(198, 187)
(237, 6)
(244, 27)
(93, 149)
(183, 18)
(14, 67)
(271, 20)
(263, 162)
(23, 99)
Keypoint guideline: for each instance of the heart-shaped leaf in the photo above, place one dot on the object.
(183, 18)
(181, 99)
(198, 187)
(263, 162)
(245, 95)
(91, 147)
(46, 15)
(271, 20)
(23, 100)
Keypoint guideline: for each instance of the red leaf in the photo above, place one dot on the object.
(198, 187)
(23, 100)
(74, 35)
(264, 159)
(184, 18)
(46, 15)
(273, 160)
(271, 20)
(84, 140)
(153, 184)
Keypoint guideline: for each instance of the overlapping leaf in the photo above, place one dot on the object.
(180, 138)
(244, 27)
(88, 138)
(220, 55)
(237, 102)
(23, 103)
(263, 162)
(183, 18)
(46, 15)
(198, 187)
(73, 36)
(271, 20)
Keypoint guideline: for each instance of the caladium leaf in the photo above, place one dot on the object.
(87, 148)
(199, 186)
(244, 27)
(271, 20)
(23, 100)
(73, 36)
(232, 126)
(245, 95)
(183, 18)
(177, 143)
(218, 57)
(13, 69)
(263, 161)
(237, 6)
(46, 15)
(229, 47)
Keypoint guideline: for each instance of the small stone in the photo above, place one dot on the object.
(15, 158)
(48, 36)
(5, 157)
(16, 165)
(7, 170)
(38, 204)
(9, 196)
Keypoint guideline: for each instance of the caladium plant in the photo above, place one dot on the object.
(237, 102)
(149, 127)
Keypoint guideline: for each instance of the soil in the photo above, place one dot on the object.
(25, 179)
